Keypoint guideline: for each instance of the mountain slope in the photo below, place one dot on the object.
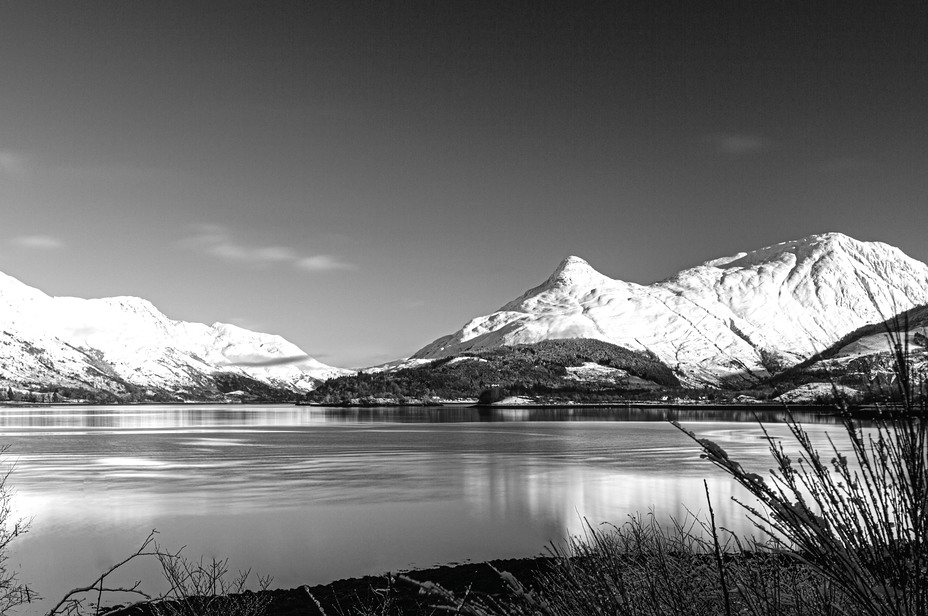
(125, 344)
(735, 318)
(864, 358)
(910, 326)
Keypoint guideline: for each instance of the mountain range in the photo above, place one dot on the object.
(125, 347)
(732, 322)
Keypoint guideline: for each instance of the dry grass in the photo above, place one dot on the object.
(858, 524)
(645, 568)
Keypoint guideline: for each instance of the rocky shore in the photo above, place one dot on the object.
(347, 596)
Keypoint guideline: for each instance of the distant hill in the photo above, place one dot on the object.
(568, 369)
(123, 348)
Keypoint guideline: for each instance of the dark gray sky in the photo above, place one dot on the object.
(362, 177)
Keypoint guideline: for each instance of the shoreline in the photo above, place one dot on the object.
(353, 595)
(341, 596)
(712, 406)
(738, 406)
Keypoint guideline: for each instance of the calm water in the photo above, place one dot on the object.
(309, 495)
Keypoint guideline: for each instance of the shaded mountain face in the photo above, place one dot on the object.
(729, 320)
(124, 344)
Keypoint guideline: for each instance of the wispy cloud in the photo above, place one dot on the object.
(38, 242)
(217, 241)
(737, 144)
(323, 263)
(12, 163)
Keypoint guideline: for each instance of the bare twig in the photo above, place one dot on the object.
(69, 601)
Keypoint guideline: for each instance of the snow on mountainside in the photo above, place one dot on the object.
(733, 318)
(118, 344)
(864, 358)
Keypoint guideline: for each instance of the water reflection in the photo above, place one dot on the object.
(217, 416)
(310, 494)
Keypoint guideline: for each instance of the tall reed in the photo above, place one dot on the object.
(859, 525)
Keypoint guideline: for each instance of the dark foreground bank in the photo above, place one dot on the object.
(344, 597)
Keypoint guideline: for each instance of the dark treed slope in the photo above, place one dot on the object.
(530, 369)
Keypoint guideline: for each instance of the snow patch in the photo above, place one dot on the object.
(591, 371)
(514, 401)
(463, 358)
(399, 364)
(817, 392)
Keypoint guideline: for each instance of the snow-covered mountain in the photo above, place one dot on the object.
(123, 344)
(738, 317)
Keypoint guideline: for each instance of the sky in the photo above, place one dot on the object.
(364, 177)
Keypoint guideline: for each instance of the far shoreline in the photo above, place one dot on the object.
(711, 406)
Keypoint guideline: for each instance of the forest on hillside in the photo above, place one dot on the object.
(539, 369)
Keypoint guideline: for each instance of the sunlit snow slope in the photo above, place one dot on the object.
(108, 343)
(738, 317)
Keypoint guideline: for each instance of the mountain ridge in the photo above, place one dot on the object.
(730, 321)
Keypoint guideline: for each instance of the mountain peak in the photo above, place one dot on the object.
(828, 236)
(822, 241)
(573, 269)
(813, 246)
(571, 272)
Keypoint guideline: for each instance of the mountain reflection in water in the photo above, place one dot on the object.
(195, 416)
(312, 494)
